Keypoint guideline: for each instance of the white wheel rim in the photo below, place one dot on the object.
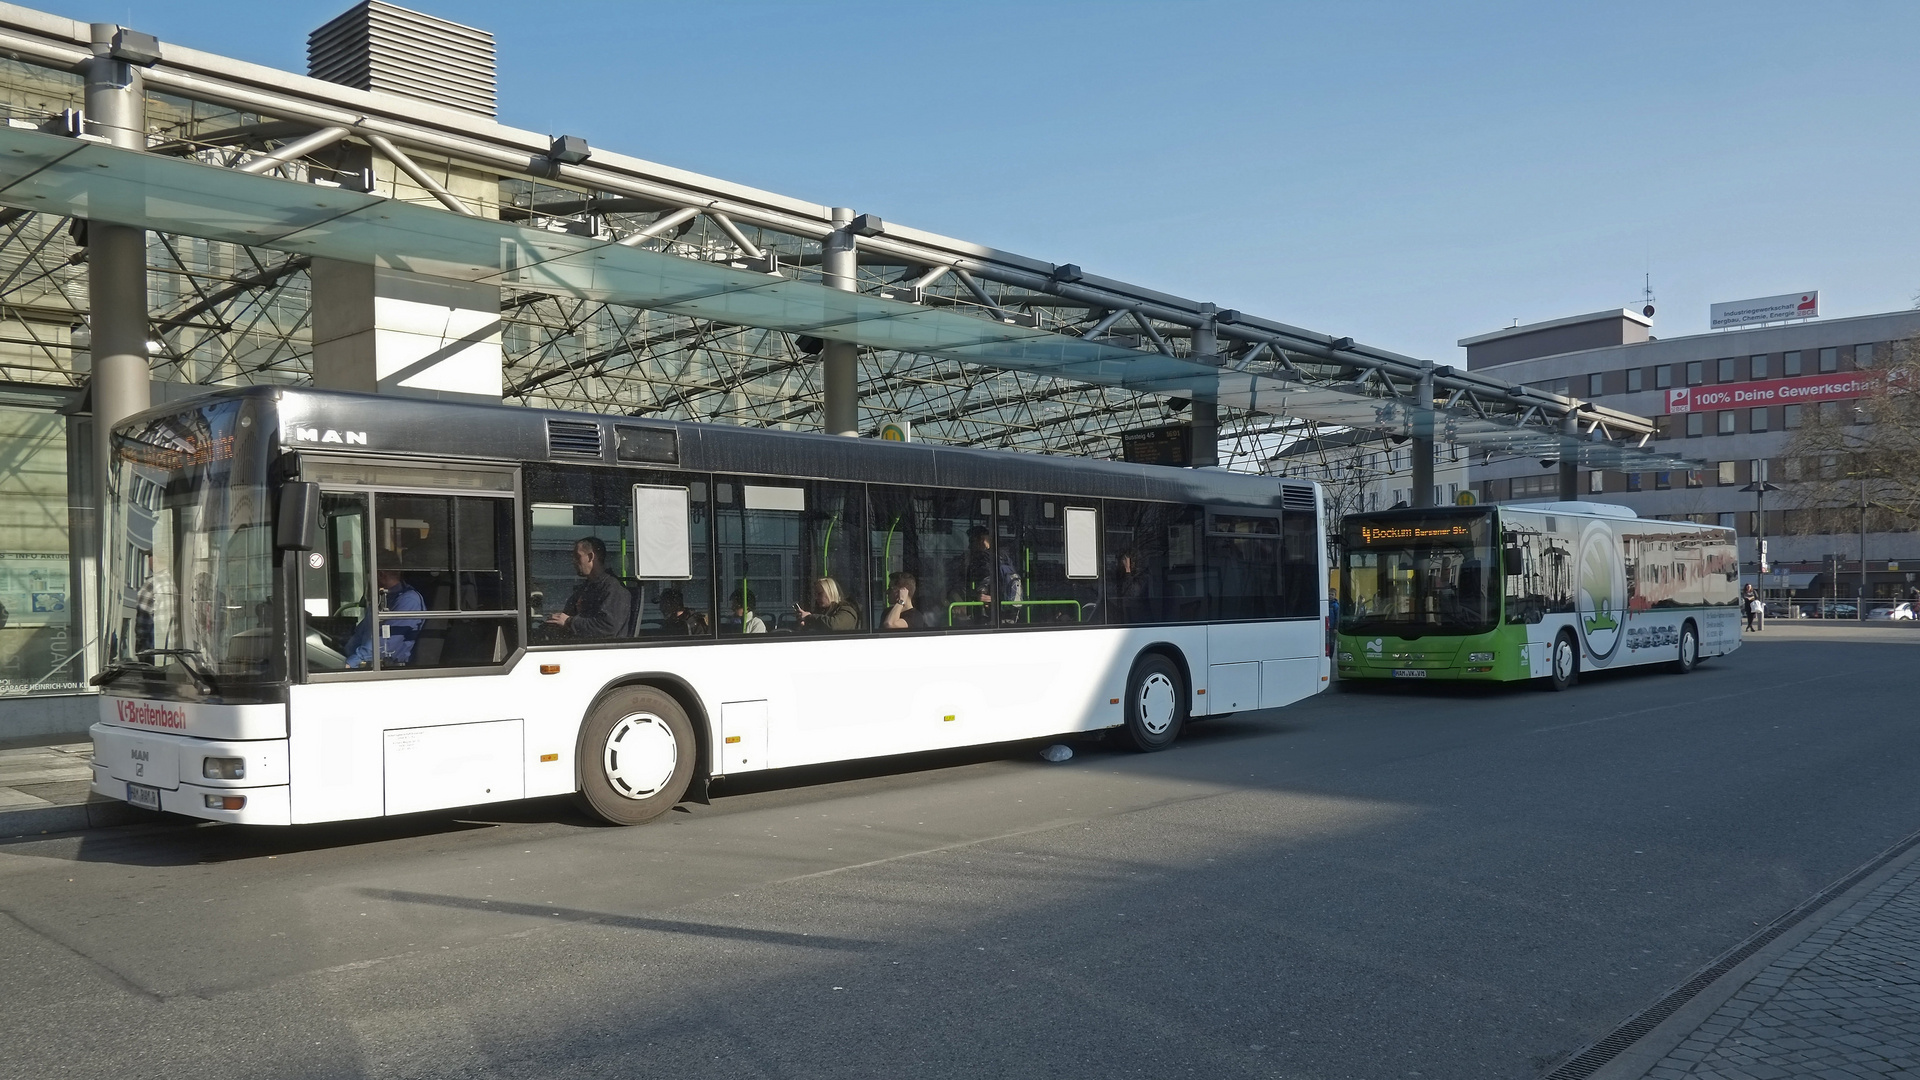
(1563, 659)
(1689, 648)
(1156, 703)
(639, 755)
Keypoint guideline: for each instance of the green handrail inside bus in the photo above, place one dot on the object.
(886, 559)
(1027, 605)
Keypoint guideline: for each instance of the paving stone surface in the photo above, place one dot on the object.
(1844, 1003)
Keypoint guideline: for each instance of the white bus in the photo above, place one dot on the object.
(323, 606)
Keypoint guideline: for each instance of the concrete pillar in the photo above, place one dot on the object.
(1570, 460)
(1422, 441)
(116, 109)
(119, 386)
(384, 331)
(381, 331)
(840, 360)
(1206, 412)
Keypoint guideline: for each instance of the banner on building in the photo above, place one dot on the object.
(1765, 309)
(1839, 387)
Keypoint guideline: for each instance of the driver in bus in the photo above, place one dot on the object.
(396, 642)
(599, 605)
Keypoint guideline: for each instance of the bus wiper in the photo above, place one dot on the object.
(114, 671)
(190, 660)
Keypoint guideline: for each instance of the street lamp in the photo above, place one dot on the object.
(1760, 489)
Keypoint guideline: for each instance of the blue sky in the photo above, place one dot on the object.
(1408, 174)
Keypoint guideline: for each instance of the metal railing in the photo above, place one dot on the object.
(1844, 609)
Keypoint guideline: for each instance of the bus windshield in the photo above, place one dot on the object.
(1407, 575)
(189, 581)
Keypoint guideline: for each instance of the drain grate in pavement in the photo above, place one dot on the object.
(1589, 1060)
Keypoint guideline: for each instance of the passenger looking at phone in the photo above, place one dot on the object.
(902, 600)
(831, 614)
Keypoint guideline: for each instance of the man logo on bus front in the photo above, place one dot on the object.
(328, 435)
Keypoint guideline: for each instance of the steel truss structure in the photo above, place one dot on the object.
(228, 313)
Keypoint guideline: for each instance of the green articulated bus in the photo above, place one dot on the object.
(1546, 591)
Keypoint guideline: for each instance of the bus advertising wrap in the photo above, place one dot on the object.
(1851, 384)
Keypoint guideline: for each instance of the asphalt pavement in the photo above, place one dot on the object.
(1397, 882)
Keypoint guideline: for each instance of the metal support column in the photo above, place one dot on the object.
(1206, 414)
(1570, 459)
(116, 110)
(839, 360)
(1422, 441)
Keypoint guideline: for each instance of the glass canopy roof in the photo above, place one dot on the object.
(83, 179)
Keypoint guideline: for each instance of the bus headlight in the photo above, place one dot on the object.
(1479, 658)
(1346, 658)
(224, 768)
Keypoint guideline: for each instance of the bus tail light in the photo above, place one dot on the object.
(224, 768)
(1329, 620)
(226, 802)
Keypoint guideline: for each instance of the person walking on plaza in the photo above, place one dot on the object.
(1756, 612)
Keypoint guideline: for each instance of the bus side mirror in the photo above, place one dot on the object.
(299, 516)
(1515, 565)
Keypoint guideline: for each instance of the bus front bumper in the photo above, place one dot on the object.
(166, 772)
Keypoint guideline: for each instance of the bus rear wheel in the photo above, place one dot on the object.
(636, 756)
(1689, 656)
(1566, 663)
(1156, 704)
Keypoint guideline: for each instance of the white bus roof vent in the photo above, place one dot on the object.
(573, 439)
(1296, 497)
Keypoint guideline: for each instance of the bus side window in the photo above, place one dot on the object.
(792, 546)
(1033, 535)
(569, 503)
(1300, 546)
(1152, 555)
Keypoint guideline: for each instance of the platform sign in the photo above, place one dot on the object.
(1169, 445)
(896, 431)
(1765, 309)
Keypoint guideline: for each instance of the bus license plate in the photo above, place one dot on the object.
(1409, 673)
(143, 796)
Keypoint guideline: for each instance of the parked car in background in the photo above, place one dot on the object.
(1902, 611)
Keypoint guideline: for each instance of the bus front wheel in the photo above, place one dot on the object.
(1689, 650)
(1156, 704)
(636, 756)
(1566, 663)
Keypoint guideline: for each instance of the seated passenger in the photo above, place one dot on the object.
(674, 616)
(902, 595)
(1127, 594)
(396, 645)
(831, 613)
(742, 601)
(599, 605)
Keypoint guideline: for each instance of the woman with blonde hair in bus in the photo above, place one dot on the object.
(831, 613)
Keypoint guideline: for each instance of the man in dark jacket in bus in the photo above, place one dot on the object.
(599, 605)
